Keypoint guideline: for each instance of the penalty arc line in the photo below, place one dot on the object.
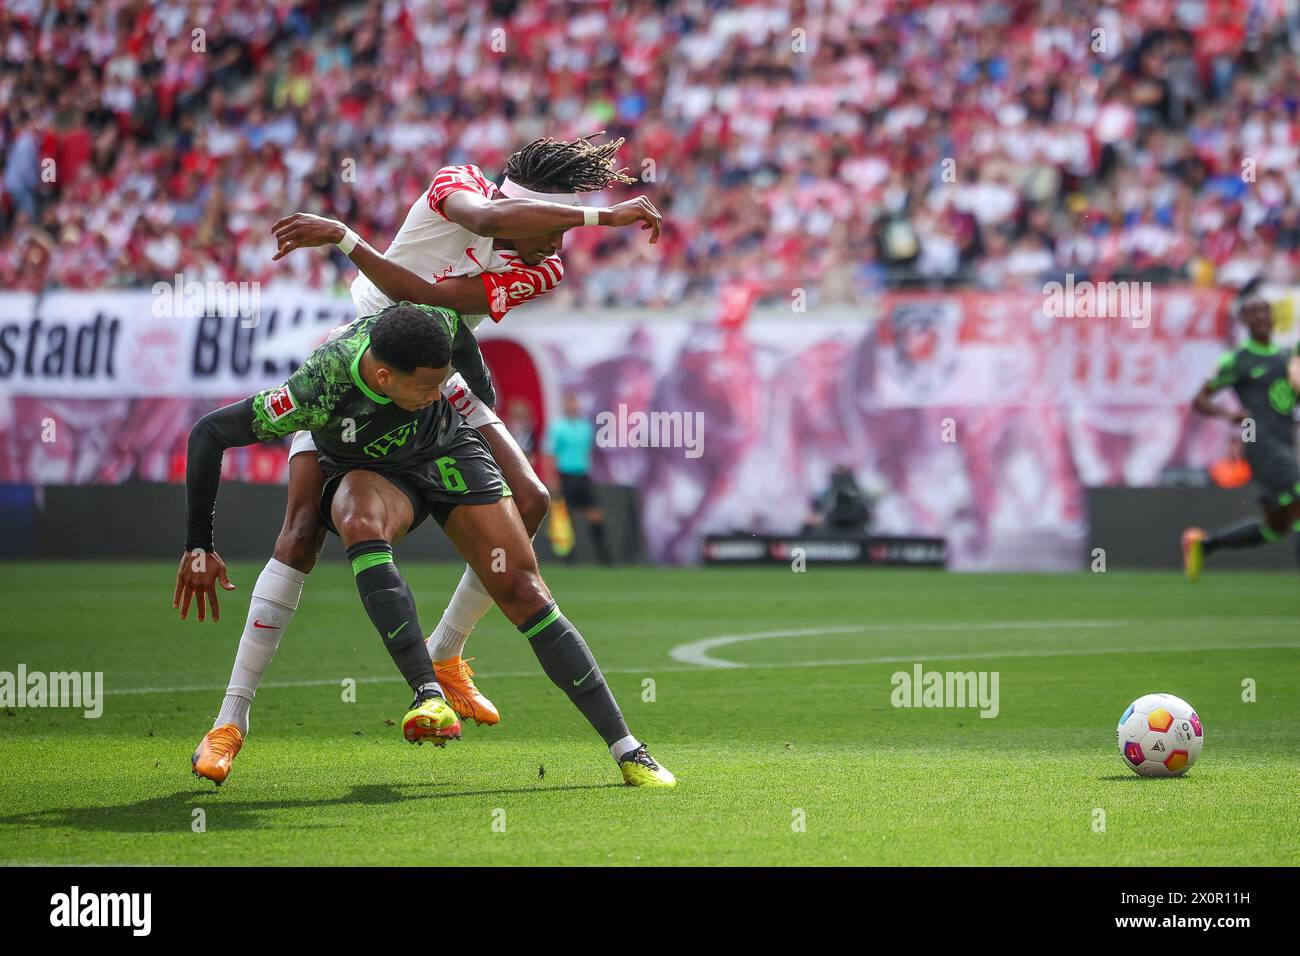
(697, 653)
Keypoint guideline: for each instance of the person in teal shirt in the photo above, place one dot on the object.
(569, 440)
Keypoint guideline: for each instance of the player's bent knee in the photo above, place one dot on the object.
(299, 545)
(519, 593)
(353, 527)
(533, 502)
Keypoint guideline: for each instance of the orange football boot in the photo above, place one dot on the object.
(457, 681)
(217, 751)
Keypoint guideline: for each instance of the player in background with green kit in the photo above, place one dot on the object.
(1266, 380)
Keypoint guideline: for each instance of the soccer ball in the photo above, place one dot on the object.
(1159, 735)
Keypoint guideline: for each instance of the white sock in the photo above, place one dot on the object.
(468, 605)
(275, 598)
(620, 747)
(234, 710)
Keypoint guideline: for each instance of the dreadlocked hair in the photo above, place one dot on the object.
(551, 166)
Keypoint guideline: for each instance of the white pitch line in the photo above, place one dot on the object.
(693, 657)
(697, 653)
(374, 679)
(994, 655)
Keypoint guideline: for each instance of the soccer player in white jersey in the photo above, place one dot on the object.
(480, 249)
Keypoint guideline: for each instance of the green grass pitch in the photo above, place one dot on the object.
(803, 730)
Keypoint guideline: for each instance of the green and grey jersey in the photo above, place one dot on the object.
(1258, 374)
(350, 423)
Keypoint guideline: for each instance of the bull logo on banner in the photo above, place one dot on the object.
(924, 335)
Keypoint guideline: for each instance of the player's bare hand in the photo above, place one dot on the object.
(636, 210)
(302, 230)
(197, 579)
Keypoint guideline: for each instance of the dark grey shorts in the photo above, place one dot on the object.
(462, 472)
(1276, 472)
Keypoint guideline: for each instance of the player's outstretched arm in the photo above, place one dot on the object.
(303, 403)
(267, 415)
(201, 568)
(1293, 371)
(465, 294)
(528, 218)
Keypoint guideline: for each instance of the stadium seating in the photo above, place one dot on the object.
(835, 146)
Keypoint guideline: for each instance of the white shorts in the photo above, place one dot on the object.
(471, 408)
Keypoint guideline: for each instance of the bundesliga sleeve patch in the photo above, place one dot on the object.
(279, 403)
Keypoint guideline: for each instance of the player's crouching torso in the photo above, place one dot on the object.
(382, 437)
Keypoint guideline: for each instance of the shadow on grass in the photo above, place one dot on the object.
(1134, 778)
(173, 812)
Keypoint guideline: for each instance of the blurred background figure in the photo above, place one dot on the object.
(842, 509)
(523, 426)
(569, 441)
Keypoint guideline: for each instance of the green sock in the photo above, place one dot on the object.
(1248, 535)
(391, 607)
(568, 662)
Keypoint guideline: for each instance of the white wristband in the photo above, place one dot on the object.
(590, 216)
(348, 242)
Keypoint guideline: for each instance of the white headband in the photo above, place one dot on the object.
(512, 190)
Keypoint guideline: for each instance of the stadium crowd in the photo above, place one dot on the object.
(835, 146)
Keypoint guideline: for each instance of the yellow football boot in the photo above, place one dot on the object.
(217, 751)
(1193, 553)
(431, 719)
(640, 770)
(457, 681)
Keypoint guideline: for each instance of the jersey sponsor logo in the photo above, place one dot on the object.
(396, 438)
(520, 289)
(521, 283)
(279, 403)
(1281, 397)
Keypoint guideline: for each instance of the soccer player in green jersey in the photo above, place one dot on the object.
(394, 451)
(1265, 379)
(481, 249)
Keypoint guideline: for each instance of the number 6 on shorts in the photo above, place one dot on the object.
(452, 479)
